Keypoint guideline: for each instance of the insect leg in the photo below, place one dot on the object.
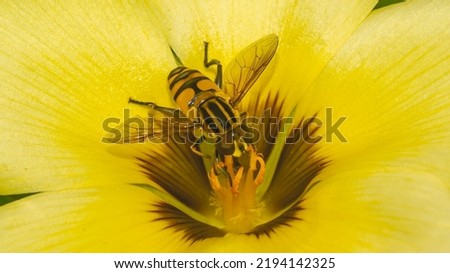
(217, 170)
(195, 148)
(207, 64)
(171, 112)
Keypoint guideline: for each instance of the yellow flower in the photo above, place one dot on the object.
(66, 67)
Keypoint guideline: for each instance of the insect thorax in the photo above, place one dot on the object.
(217, 116)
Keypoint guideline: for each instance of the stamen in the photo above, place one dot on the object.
(237, 180)
(234, 190)
(228, 161)
(214, 180)
(262, 170)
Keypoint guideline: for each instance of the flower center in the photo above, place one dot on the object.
(210, 197)
(234, 190)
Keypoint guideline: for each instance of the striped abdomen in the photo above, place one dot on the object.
(193, 90)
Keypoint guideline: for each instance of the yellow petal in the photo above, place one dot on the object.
(311, 35)
(387, 188)
(391, 81)
(104, 219)
(229, 26)
(65, 68)
(396, 211)
(313, 30)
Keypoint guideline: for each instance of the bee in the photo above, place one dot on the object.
(209, 106)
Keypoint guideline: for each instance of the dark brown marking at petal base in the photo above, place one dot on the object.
(297, 168)
(180, 172)
(298, 164)
(267, 109)
(192, 229)
(283, 220)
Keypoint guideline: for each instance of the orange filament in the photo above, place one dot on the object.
(234, 190)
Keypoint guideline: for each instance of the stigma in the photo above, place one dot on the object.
(234, 182)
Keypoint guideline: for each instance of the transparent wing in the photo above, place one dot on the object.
(245, 69)
(161, 125)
